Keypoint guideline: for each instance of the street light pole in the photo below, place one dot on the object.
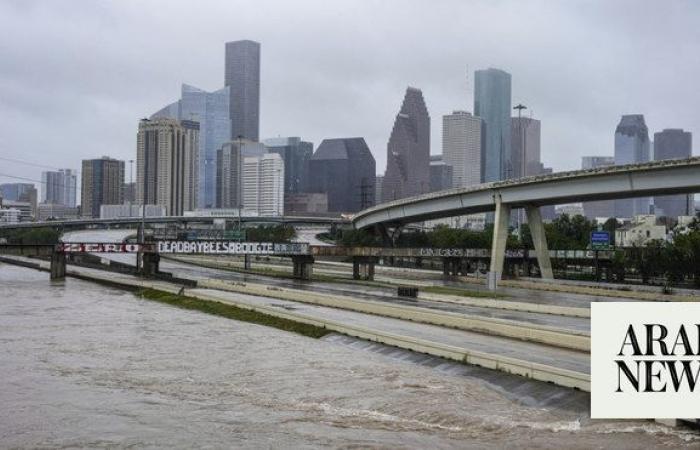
(240, 186)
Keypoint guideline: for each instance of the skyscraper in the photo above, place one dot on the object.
(211, 110)
(525, 147)
(441, 174)
(599, 208)
(102, 183)
(461, 148)
(631, 147)
(167, 161)
(13, 191)
(492, 103)
(345, 170)
(296, 155)
(242, 76)
(408, 151)
(59, 187)
(229, 162)
(263, 184)
(673, 144)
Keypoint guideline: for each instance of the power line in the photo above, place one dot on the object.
(28, 163)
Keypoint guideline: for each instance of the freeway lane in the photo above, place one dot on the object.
(374, 293)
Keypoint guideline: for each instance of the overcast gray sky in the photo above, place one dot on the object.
(76, 76)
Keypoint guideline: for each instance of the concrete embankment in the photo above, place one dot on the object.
(500, 327)
(563, 367)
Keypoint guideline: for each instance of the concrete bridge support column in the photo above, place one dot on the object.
(58, 265)
(303, 266)
(247, 265)
(363, 267)
(539, 240)
(150, 264)
(500, 236)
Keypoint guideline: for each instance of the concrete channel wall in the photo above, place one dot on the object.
(536, 371)
(500, 327)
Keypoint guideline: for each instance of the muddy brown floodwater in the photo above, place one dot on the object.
(84, 365)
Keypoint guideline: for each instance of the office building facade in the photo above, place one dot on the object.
(525, 150)
(59, 187)
(229, 163)
(102, 183)
(600, 209)
(167, 164)
(492, 103)
(344, 169)
(263, 184)
(296, 155)
(242, 77)
(408, 151)
(673, 144)
(440, 174)
(632, 147)
(462, 147)
(211, 110)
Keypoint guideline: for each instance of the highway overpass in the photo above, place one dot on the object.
(181, 220)
(615, 182)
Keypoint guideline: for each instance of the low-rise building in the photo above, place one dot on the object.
(309, 203)
(26, 209)
(124, 211)
(10, 215)
(51, 211)
(639, 232)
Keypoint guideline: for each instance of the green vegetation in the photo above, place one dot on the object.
(277, 233)
(233, 312)
(39, 236)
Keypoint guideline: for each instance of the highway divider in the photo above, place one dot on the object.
(557, 337)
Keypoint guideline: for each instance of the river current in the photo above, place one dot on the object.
(88, 366)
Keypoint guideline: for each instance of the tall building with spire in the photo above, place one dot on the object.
(408, 150)
(673, 144)
(631, 147)
(492, 103)
(242, 77)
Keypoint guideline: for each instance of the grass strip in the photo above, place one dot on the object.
(233, 312)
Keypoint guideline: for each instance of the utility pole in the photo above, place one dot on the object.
(239, 138)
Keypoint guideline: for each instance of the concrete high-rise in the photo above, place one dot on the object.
(296, 155)
(345, 170)
(59, 187)
(462, 148)
(211, 110)
(242, 77)
(408, 151)
(601, 209)
(492, 103)
(673, 144)
(102, 183)
(525, 150)
(263, 184)
(229, 164)
(167, 160)
(631, 147)
(441, 174)
(13, 191)
(592, 162)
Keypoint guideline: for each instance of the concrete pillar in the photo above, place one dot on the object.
(539, 240)
(247, 265)
(150, 264)
(500, 236)
(303, 266)
(363, 267)
(58, 265)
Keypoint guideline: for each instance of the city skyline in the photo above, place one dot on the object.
(595, 96)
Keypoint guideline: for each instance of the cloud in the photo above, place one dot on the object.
(76, 76)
